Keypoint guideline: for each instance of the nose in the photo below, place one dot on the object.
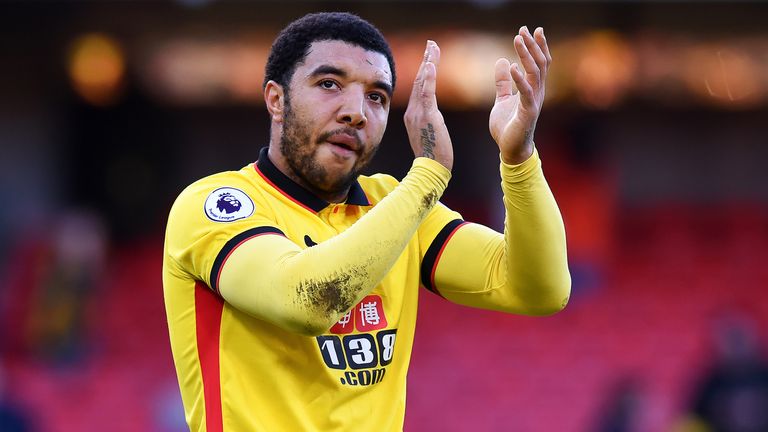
(352, 110)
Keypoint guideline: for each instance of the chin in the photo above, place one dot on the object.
(332, 157)
(338, 180)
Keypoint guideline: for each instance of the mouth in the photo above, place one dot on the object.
(342, 146)
(344, 141)
(342, 151)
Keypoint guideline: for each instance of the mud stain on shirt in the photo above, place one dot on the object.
(335, 294)
(428, 201)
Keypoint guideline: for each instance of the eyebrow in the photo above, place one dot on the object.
(333, 70)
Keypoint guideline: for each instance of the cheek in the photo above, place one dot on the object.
(300, 128)
(378, 124)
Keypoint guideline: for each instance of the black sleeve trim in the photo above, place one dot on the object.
(231, 245)
(430, 258)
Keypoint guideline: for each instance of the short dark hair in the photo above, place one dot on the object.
(292, 44)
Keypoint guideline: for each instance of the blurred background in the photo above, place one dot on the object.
(653, 138)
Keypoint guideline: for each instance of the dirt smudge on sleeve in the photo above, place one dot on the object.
(428, 201)
(335, 294)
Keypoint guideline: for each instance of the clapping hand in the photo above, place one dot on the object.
(520, 96)
(423, 120)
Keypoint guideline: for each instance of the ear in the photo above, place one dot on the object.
(274, 97)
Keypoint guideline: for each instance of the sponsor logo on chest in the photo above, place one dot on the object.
(366, 353)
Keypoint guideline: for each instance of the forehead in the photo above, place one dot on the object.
(349, 58)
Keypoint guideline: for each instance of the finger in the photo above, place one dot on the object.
(418, 81)
(504, 84)
(541, 40)
(434, 53)
(529, 65)
(430, 75)
(430, 83)
(535, 49)
(523, 86)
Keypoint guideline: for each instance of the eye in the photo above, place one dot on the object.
(377, 97)
(328, 84)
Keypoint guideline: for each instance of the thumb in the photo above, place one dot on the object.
(505, 86)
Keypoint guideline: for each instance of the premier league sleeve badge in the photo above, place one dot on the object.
(228, 204)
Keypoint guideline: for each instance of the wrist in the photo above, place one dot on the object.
(522, 172)
(517, 157)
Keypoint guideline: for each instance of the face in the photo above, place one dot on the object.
(334, 116)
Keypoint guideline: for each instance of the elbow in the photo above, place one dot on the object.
(545, 309)
(557, 293)
(305, 325)
(312, 331)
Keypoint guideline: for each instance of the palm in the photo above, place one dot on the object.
(509, 121)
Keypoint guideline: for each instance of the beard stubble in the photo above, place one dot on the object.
(302, 157)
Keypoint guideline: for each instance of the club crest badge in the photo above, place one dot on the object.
(228, 204)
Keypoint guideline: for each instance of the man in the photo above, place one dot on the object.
(291, 285)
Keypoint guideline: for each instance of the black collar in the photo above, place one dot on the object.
(297, 193)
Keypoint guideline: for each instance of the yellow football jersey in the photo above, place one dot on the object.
(291, 265)
(240, 373)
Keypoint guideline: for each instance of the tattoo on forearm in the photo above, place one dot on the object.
(428, 141)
